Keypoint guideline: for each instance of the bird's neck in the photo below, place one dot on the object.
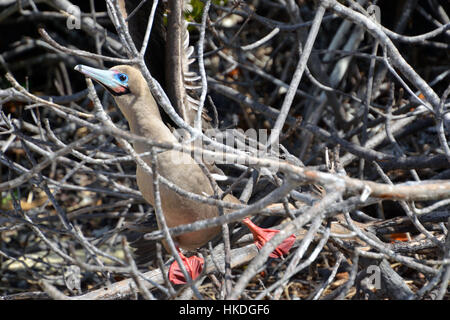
(145, 120)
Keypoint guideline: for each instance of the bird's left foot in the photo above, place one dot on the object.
(193, 265)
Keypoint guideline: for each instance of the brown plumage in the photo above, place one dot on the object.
(168, 71)
(132, 95)
(141, 111)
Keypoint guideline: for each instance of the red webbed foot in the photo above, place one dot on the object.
(193, 265)
(261, 236)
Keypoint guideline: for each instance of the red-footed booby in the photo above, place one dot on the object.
(133, 97)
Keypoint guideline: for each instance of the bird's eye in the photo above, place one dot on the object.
(122, 77)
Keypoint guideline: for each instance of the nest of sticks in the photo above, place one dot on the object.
(355, 93)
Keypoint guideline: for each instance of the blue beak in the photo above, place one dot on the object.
(107, 78)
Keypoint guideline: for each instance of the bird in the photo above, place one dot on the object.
(168, 59)
(133, 97)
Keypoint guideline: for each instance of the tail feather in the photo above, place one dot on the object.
(144, 251)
